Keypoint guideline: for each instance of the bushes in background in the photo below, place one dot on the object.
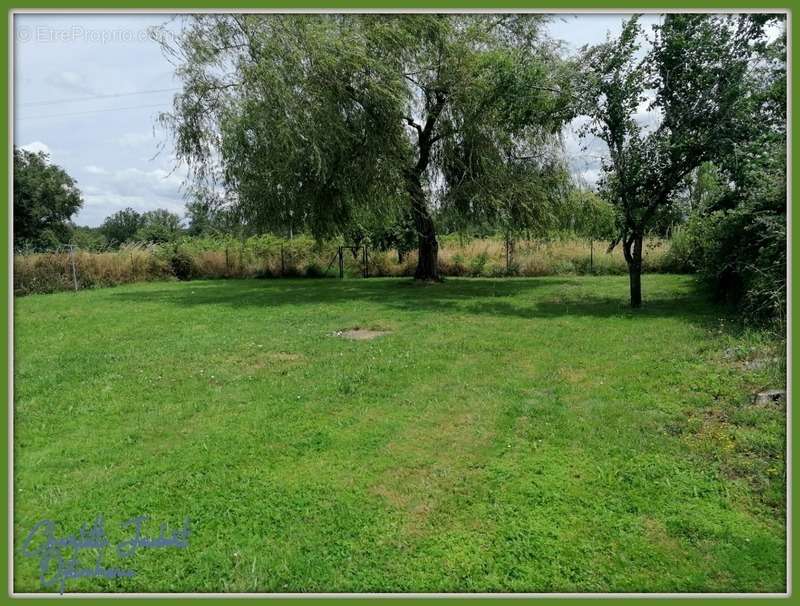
(735, 237)
(740, 254)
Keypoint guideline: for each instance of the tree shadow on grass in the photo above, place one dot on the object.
(401, 294)
(527, 298)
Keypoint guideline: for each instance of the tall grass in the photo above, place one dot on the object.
(268, 256)
(51, 272)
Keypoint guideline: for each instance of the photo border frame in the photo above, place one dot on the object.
(574, 6)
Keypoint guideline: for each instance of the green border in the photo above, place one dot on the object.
(576, 5)
(622, 5)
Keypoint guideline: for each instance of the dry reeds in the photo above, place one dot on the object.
(272, 257)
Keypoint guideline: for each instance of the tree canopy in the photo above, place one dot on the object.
(121, 226)
(736, 230)
(697, 78)
(45, 198)
(315, 119)
(158, 226)
(389, 127)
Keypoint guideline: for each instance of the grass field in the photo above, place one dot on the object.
(507, 435)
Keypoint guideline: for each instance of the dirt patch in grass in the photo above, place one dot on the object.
(250, 362)
(572, 376)
(284, 356)
(361, 334)
(770, 397)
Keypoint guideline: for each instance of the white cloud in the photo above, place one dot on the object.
(106, 191)
(135, 181)
(36, 147)
(108, 203)
(648, 119)
(583, 153)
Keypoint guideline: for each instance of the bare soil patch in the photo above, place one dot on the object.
(361, 334)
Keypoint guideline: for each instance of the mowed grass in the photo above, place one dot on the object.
(525, 435)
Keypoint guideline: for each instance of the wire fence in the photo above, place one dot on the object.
(69, 268)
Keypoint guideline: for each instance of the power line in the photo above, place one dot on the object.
(110, 96)
(93, 111)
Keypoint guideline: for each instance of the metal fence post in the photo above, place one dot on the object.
(508, 254)
(72, 261)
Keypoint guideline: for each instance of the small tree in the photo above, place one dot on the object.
(694, 79)
(45, 197)
(159, 226)
(87, 238)
(591, 216)
(200, 217)
(121, 227)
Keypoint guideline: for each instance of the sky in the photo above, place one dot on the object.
(88, 89)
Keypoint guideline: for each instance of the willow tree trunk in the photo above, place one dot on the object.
(428, 261)
(428, 247)
(632, 247)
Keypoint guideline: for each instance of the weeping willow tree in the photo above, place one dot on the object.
(516, 186)
(315, 119)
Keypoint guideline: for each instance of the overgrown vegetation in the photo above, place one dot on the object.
(735, 235)
(270, 257)
(312, 120)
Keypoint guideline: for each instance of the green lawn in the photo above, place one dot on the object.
(527, 435)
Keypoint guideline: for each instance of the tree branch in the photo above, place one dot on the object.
(411, 122)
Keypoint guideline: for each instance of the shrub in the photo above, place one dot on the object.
(291, 271)
(679, 258)
(267, 272)
(564, 267)
(314, 271)
(181, 265)
(380, 264)
(478, 264)
(741, 255)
